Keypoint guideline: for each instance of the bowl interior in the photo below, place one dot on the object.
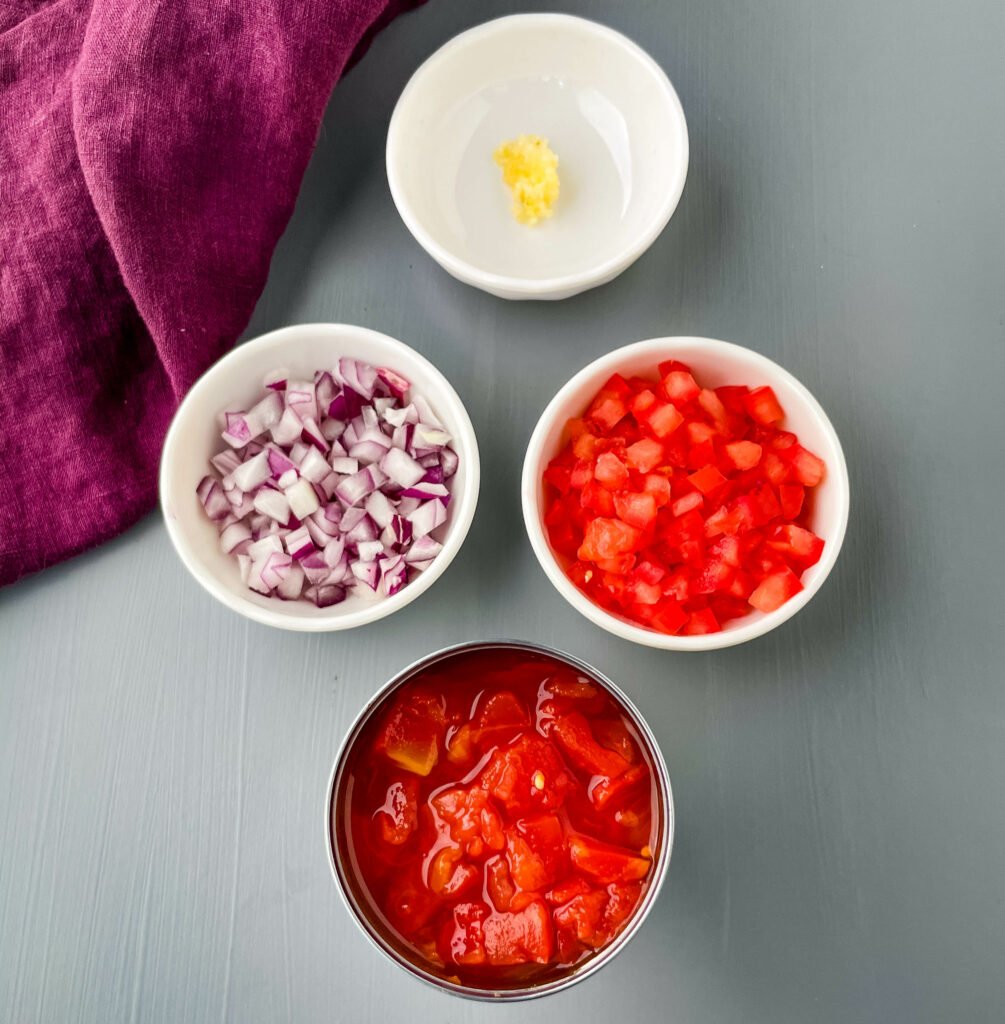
(607, 110)
(715, 363)
(236, 383)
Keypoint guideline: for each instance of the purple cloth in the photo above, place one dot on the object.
(150, 156)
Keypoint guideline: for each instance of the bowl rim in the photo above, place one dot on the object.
(535, 287)
(660, 770)
(730, 635)
(462, 512)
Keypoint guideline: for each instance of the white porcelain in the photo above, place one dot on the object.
(608, 111)
(235, 382)
(714, 363)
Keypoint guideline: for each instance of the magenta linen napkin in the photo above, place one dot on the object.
(150, 156)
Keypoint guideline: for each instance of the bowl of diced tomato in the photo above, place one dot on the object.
(499, 820)
(685, 493)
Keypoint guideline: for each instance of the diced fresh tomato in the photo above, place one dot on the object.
(806, 467)
(663, 419)
(763, 407)
(743, 454)
(687, 502)
(773, 591)
(703, 621)
(611, 471)
(637, 510)
(605, 862)
(608, 538)
(644, 455)
(607, 411)
(712, 404)
(707, 479)
(698, 482)
(597, 498)
(658, 486)
(802, 546)
(680, 386)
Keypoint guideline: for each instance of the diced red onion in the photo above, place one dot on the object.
(393, 574)
(213, 498)
(425, 549)
(252, 473)
(290, 588)
(232, 536)
(314, 466)
(401, 467)
(302, 399)
(366, 572)
(298, 542)
(328, 482)
(288, 429)
(396, 384)
(302, 499)
(427, 517)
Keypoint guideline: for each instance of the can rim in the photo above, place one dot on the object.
(603, 956)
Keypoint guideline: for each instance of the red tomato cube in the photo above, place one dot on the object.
(611, 471)
(644, 455)
(763, 407)
(635, 509)
(791, 498)
(773, 591)
(680, 386)
(707, 479)
(743, 454)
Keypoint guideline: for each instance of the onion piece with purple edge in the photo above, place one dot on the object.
(332, 483)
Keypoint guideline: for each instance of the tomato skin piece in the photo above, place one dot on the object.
(763, 406)
(605, 862)
(707, 479)
(773, 591)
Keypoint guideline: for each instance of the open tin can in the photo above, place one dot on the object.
(348, 874)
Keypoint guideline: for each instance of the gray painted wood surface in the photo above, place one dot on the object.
(841, 837)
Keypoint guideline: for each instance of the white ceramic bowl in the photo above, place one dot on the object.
(714, 363)
(235, 382)
(608, 111)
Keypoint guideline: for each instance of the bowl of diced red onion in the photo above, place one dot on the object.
(319, 477)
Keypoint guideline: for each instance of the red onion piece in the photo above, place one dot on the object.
(331, 483)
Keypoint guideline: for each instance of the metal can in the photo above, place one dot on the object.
(385, 940)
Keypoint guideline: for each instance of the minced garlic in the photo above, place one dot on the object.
(530, 169)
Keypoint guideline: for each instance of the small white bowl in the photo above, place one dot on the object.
(235, 382)
(606, 108)
(714, 363)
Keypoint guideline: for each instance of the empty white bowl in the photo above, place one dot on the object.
(715, 363)
(606, 108)
(235, 382)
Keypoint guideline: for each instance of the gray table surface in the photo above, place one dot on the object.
(841, 816)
